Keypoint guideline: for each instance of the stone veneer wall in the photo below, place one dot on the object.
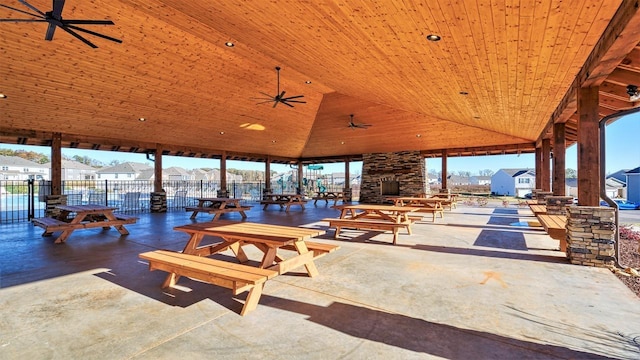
(591, 235)
(406, 167)
(557, 205)
(51, 201)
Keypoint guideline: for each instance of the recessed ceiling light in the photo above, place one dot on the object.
(142, 119)
(418, 135)
(221, 132)
(273, 141)
(433, 37)
(229, 44)
(3, 96)
(342, 142)
(308, 82)
(464, 93)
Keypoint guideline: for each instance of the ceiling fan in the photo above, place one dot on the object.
(279, 97)
(54, 19)
(354, 126)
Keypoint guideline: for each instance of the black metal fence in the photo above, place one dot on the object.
(22, 200)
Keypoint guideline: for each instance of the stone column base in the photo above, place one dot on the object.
(591, 235)
(158, 202)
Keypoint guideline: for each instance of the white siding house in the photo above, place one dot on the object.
(480, 180)
(513, 182)
(73, 170)
(17, 168)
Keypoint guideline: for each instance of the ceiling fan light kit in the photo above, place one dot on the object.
(54, 19)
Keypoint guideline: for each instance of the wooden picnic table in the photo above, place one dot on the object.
(217, 206)
(373, 217)
(328, 196)
(194, 263)
(428, 205)
(268, 238)
(86, 216)
(284, 200)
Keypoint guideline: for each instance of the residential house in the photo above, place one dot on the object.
(513, 182)
(73, 170)
(633, 185)
(123, 171)
(456, 180)
(17, 168)
(175, 173)
(480, 180)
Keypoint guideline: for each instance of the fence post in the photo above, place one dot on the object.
(106, 192)
(30, 199)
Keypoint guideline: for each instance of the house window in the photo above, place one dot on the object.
(116, 176)
(25, 169)
(5, 168)
(523, 180)
(129, 175)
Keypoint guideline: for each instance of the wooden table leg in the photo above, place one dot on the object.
(301, 246)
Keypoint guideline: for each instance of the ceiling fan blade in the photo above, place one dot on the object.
(289, 105)
(20, 11)
(281, 95)
(94, 33)
(294, 97)
(265, 101)
(88, 22)
(294, 101)
(23, 20)
(32, 7)
(267, 95)
(50, 30)
(77, 36)
(57, 9)
(275, 103)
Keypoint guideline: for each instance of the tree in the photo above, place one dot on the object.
(486, 172)
(570, 173)
(114, 162)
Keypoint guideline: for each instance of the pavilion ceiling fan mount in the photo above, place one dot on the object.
(55, 20)
(279, 97)
(354, 126)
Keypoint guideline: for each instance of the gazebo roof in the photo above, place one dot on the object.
(497, 79)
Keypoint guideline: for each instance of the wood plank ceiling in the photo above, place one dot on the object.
(493, 83)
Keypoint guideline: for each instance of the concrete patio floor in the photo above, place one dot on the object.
(478, 284)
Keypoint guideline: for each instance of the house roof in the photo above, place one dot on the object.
(18, 161)
(633, 171)
(500, 76)
(125, 168)
(519, 172)
(72, 164)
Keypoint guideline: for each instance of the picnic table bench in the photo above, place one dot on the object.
(425, 205)
(368, 224)
(328, 196)
(237, 277)
(538, 209)
(555, 226)
(217, 206)
(283, 200)
(87, 216)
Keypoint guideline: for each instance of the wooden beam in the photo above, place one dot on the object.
(588, 148)
(300, 176)
(444, 169)
(56, 164)
(559, 160)
(538, 166)
(157, 169)
(347, 176)
(267, 174)
(618, 40)
(223, 174)
(545, 166)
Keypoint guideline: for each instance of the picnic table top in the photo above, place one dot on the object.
(251, 231)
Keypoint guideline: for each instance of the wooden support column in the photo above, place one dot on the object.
(538, 168)
(223, 175)
(588, 147)
(545, 166)
(559, 160)
(300, 176)
(56, 164)
(157, 169)
(347, 176)
(267, 174)
(444, 169)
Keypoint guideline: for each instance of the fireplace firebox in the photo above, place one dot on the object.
(390, 188)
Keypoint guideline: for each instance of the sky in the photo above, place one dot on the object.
(622, 152)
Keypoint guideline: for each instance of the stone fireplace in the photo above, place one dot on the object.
(392, 174)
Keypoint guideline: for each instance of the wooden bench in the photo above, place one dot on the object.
(282, 203)
(538, 209)
(319, 249)
(237, 277)
(434, 210)
(368, 224)
(334, 198)
(555, 226)
(51, 225)
(217, 212)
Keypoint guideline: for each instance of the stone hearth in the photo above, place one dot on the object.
(381, 171)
